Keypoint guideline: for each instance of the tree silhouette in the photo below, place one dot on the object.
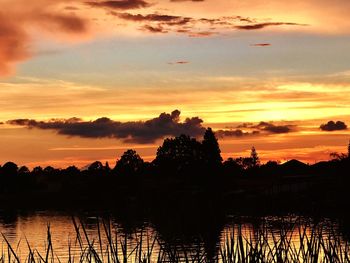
(254, 157)
(231, 167)
(211, 149)
(183, 155)
(9, 169)
(71, 171)
(338, 156)
(244, 162)
(96, 169)
(271, 164)
(38, 170)
(49, 170)
(23, 171)
(177, 154)
(107, 168)
(130, 163)
(95, 166)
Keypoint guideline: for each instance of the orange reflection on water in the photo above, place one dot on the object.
(293, 238)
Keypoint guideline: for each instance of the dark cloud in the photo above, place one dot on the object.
(272, 128)
(162, 23)
(244, 19)
(119, 4)
(187, 0)
(245, 125)
(235, 133)
(251, 129)
(181, 62)
(261, 45)
(202, 34)
(227, 20)
(333, 126)
(165, 19)
(139, 131)
(183, 31)
(266, 24)
(267, 127)
(154, 29)
(196, 27)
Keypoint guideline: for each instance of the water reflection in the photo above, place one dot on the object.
(198, 234)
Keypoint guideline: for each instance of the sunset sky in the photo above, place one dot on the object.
(84, 80)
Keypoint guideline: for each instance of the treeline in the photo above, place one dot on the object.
(184, 170)
(182, 155)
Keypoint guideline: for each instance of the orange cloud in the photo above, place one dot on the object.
(67, 24)
(19, 20)
(13, 45)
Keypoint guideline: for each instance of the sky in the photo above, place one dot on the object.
(85, 80)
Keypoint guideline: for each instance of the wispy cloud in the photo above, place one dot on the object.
(166, 19)
(187, 0)
(261, 45)
(119, 4)
(266, 24)
(180, 62)
(196, 26)
(154, 29)
(261, 128)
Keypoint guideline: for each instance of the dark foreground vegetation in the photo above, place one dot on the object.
(293, 242)
(185, 172)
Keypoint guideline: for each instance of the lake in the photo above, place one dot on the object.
(163, 239)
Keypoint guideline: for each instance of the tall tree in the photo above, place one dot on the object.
(254, 157)
(211, 149)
